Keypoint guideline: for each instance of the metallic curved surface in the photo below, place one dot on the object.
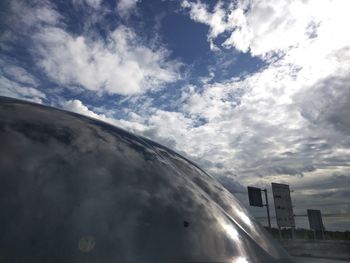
(74, 189)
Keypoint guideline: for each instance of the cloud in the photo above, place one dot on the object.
(23, 14)
(78, 106)
(232, 185)
(267, 121)
(167, 127)
(17, 82)
(265, 27)
(326, 104)
(215, 20)
(120, 63)
(14, 89)
(17, 74)
(95, 4)
(125, 7)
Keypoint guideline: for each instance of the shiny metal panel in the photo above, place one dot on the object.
(74, 189)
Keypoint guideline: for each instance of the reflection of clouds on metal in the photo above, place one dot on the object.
(240, 260)
(66, 178)
(231, 232)
(245, 218)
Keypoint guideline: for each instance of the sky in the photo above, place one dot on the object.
(253, 91)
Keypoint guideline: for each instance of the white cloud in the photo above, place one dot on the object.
(14, 89)
(125, 7)
(17, 82)
(28, 15)
(18, 74)
(119, 65)
(262, 27)
(94, 3)
(78, 106)
(215, 20)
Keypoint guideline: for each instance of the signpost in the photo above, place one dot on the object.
(255, 199)
(283, 206)
(315, 221)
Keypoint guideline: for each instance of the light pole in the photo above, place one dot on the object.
(267, 209)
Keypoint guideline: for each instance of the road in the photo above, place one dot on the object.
(316, 260)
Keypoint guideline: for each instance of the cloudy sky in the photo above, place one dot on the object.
(253, 91)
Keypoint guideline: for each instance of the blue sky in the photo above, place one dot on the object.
(253, 91)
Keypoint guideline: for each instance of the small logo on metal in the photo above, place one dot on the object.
(86, 244)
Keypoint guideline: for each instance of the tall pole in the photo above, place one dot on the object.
(267, 209)
(323, 232)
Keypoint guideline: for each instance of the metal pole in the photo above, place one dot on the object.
(279, 232)
(323, 237)
(267, 209)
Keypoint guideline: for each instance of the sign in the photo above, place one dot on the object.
(255, 196)
(283, 205)
(315, 219)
